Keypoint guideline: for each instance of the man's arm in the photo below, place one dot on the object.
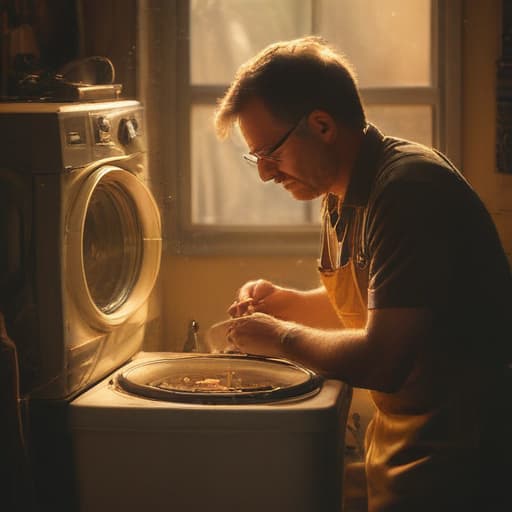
(378, 357)
(311, 308)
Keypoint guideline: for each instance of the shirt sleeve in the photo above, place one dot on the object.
(409, 245)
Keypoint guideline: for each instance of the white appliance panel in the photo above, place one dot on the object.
(79, 176)
(134, 453)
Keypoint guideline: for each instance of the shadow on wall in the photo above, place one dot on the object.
(38, 38)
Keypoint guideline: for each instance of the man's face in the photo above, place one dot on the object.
(294, 156)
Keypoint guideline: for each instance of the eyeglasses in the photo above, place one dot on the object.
(254, 158)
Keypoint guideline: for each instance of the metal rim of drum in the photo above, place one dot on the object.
(311, 385)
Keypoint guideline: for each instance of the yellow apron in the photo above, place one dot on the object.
(395, 439)
(347, 291)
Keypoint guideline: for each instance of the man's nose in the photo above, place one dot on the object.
(266, 169)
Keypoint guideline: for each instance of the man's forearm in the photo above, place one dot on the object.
(313, 308)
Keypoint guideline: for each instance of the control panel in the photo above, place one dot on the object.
(63, 136)
(116, 127)
(99, 133)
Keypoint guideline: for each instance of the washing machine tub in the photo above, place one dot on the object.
(137, 453)
(219, 379)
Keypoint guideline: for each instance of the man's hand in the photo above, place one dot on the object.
(261, 296)
(311, 307)
(258, 333)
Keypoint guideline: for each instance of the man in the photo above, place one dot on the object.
(416, 289)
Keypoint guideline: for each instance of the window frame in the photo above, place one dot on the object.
(303, 240)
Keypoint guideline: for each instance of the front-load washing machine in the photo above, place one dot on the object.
(82, 239)
(80, 253)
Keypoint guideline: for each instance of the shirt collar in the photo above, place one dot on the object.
(363, 174)
(365, 168)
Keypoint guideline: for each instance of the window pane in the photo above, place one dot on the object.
(226, 33)
(387, 41)
(412, 122)
(227, 191)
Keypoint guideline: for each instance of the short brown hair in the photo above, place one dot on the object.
(294, 78)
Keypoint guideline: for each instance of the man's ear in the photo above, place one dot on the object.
(322, 123)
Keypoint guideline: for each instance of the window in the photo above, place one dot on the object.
(407, 65)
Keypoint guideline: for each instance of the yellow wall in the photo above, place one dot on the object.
(481, 49)
(201, 288)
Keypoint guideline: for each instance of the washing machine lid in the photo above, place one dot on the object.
(219, 379)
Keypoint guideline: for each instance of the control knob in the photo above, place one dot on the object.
(103, 134)
(127, 130)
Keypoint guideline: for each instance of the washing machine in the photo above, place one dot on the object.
(83, 239)
(178, 432)
(112, 427)
(80, 253)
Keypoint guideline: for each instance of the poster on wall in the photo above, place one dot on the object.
(504, 95)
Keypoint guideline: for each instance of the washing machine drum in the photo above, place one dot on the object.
(219, 379)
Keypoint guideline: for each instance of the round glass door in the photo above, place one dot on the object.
(113, 246)
(115, 236)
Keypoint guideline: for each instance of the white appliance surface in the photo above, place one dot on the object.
(84, 218)
(136, 454)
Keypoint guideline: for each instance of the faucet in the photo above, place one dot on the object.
(191, 343)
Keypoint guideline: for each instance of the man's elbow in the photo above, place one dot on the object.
(387, 379)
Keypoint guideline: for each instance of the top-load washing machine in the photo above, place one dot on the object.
(111, 427)
(188, 433)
